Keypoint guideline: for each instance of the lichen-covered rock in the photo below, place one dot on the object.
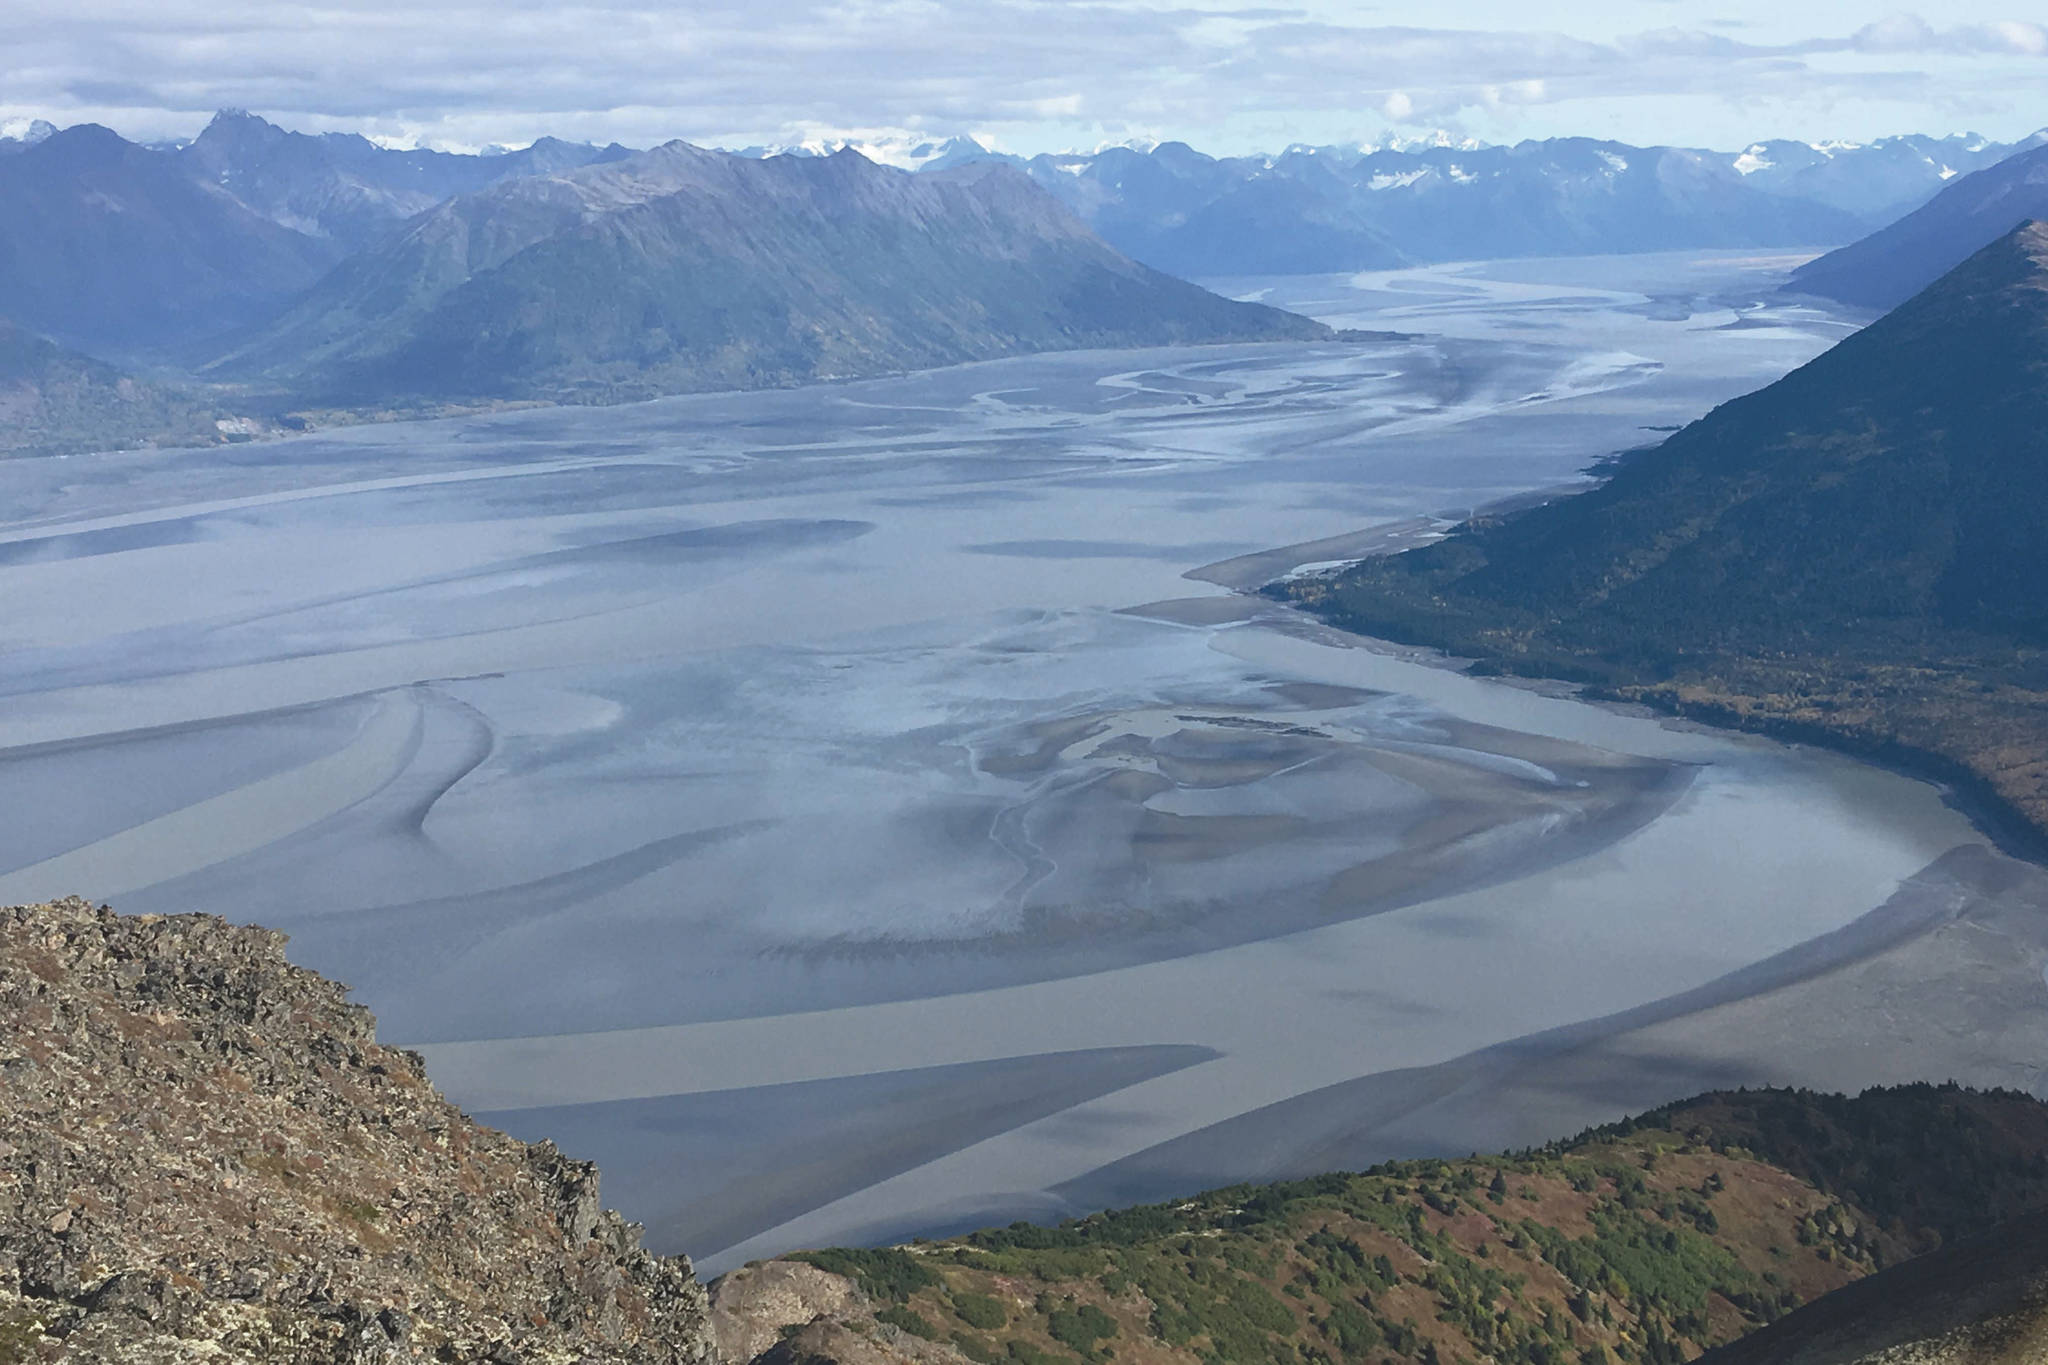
(857, 1341)
(206, 1156)
(756, 1306)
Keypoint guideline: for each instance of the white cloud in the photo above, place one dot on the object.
(2015, 36)
(1032, 73)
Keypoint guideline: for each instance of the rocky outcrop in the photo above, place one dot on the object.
(754, 1307)
(857, 1341)
(205, 1155)
(793, 1313)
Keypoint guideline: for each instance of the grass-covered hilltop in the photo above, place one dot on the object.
(1857, 552)
(206, 1156)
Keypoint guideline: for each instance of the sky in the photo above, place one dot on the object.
(1030, 75)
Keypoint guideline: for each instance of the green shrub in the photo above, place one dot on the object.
(980, 1310)
(1024, 1353)
(1351, 1330)
(909, 1319)
(883, 1272)
(1080, 1328)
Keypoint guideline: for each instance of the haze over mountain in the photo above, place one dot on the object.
(682, 268)
(110, 247)
(1313, 209)
(344, 186)
(1898, 261)
(1306, 209)
(52, 400)
(1857, 549)
(570, 271)
(225, 230)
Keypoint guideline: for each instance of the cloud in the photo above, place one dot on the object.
(1909, 33)
(1034, 73)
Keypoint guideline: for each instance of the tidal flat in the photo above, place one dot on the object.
(866, 810)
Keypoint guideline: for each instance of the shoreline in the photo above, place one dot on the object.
(2007, 828)
(272, 418)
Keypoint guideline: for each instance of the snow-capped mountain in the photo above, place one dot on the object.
(19, 134)
(904, 153)
(1880, 180)
(1392, 201)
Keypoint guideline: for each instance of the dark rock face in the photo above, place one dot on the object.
(205, 1155)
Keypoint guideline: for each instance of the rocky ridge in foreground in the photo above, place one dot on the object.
(205, 1155)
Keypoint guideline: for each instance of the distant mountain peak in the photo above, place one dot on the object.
(239, 126)
(684, 268)
(82, 145)
(1896, 262)
(30, 132)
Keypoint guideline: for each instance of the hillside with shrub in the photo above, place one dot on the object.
(1638, 1244)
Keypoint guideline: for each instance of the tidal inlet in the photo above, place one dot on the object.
(868, 810)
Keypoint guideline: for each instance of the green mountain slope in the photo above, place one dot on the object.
(1639, 1243)
(53, 400)
(1857, 551)
(683, 269)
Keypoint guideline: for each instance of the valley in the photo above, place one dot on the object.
(890, 751)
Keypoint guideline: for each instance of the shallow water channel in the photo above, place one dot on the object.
(839, 812)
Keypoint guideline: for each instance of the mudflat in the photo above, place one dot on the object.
(899, 749)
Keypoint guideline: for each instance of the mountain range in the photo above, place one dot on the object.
(344, 187)
(224, 230)
(330, 271)
(299, 270)
(1332, 208)
(1306, 209)
(682, 268)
